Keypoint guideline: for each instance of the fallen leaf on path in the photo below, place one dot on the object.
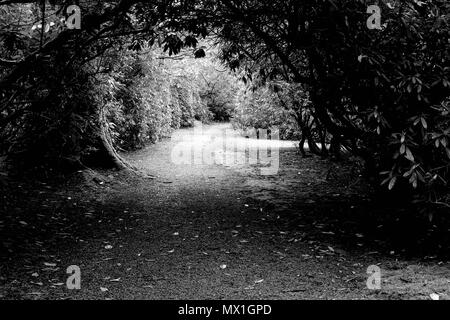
(434, 296)
(48, 264)
(52, 269)
(295, 290)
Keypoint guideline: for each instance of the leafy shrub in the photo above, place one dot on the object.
(381, 94)
(219, 92)
(217, 88)
(262, 108)
(150, 99)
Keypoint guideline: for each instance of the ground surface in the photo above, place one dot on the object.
(215, 230)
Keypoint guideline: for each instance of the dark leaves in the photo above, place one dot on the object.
(200, 53)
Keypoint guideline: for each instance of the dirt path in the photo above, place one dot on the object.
(219, 231)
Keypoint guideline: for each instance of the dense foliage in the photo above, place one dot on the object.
(149, 97)
(382, 95)
(219, 90)
(67, 93)
(262, 108)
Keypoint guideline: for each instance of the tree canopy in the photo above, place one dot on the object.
(382, 94)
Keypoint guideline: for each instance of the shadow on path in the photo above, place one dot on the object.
(214, 230)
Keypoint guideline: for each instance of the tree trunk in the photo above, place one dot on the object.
(108, 156)
(313, 148)
(335, 147)
(323, 141)
(302, 146)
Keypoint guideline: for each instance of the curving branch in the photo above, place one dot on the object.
(90, 22)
